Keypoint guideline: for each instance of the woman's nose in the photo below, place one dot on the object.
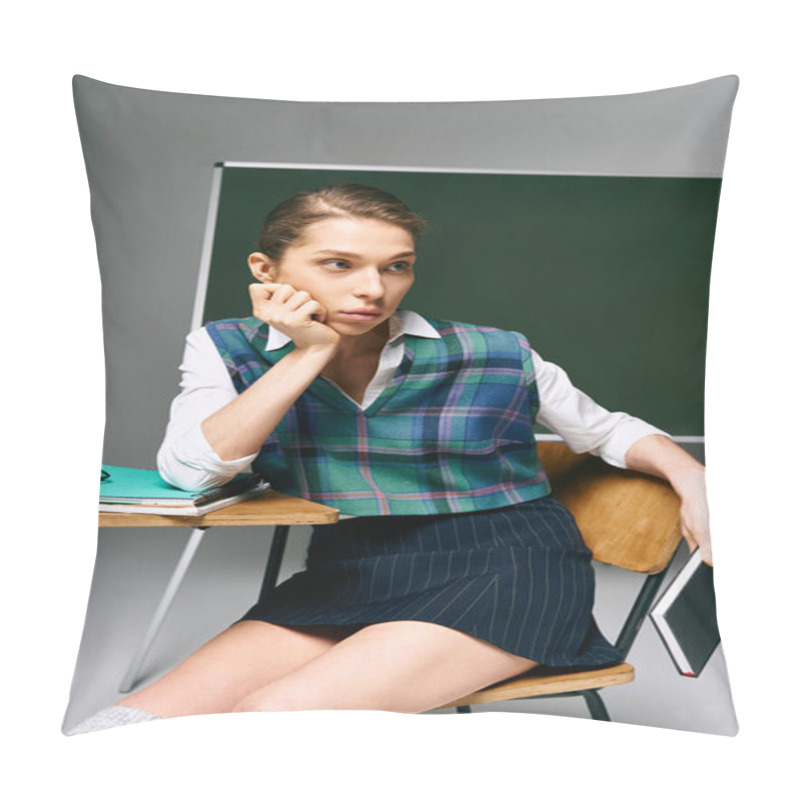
(370, 284)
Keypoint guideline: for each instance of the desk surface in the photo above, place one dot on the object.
(274, 508)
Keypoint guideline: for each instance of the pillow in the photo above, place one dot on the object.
(585, 226)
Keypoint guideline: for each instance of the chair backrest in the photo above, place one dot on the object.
(627, 519)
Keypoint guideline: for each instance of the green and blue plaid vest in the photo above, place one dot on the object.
(452, 432)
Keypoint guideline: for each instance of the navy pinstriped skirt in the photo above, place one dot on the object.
(519, 577)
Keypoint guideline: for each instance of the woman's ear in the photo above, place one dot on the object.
(262, 267)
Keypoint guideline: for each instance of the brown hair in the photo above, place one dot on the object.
(285, 224)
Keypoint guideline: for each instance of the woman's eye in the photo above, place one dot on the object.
(337, 265)
(400, 266)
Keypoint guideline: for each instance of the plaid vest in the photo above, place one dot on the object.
(452, 432)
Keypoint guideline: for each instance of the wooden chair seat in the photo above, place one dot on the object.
(549, 684)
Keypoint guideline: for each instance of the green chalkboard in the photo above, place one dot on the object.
(607, 276)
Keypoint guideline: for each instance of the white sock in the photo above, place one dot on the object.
(111, 717)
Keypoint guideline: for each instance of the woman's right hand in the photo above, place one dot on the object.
(294, 313)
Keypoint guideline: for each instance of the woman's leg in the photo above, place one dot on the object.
(407, 666)
(232, 665)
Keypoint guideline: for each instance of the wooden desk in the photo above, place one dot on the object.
(273, 508)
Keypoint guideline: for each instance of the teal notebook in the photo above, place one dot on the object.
(131, 486)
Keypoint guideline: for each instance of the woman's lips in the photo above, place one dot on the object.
(361, 315)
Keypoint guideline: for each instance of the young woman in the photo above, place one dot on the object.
(452, 566)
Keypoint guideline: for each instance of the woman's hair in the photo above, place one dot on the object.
(285, 224)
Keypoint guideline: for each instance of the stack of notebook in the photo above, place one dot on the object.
(142, 491)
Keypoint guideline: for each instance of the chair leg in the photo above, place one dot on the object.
(463, 709)
(597, 708)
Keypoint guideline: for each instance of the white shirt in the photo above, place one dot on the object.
(186, 459)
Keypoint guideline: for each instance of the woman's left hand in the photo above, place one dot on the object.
(658, 455)
(695, 526)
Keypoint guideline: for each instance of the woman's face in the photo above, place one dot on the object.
(358, 269)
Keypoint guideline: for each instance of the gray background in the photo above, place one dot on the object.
(162, 146)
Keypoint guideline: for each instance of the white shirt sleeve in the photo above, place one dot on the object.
(185, 458)
(583, 424)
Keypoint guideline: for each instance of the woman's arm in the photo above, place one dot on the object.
(659, 456)
(242, 426)
(584, 425)
(185, 458)
(215, 433)
(623, 441)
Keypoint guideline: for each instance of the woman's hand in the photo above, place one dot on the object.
(694, 516)
(658, 455)
(293, 313)
(240, 428)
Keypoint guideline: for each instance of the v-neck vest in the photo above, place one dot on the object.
(451, 432)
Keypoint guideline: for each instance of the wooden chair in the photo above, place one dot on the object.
(627, 519)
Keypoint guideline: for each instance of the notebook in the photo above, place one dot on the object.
(143, 491)
(686, 617)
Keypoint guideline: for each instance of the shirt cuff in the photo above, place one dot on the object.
(189, 462)
(625, 434)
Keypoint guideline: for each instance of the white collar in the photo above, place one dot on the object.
(400, 323)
